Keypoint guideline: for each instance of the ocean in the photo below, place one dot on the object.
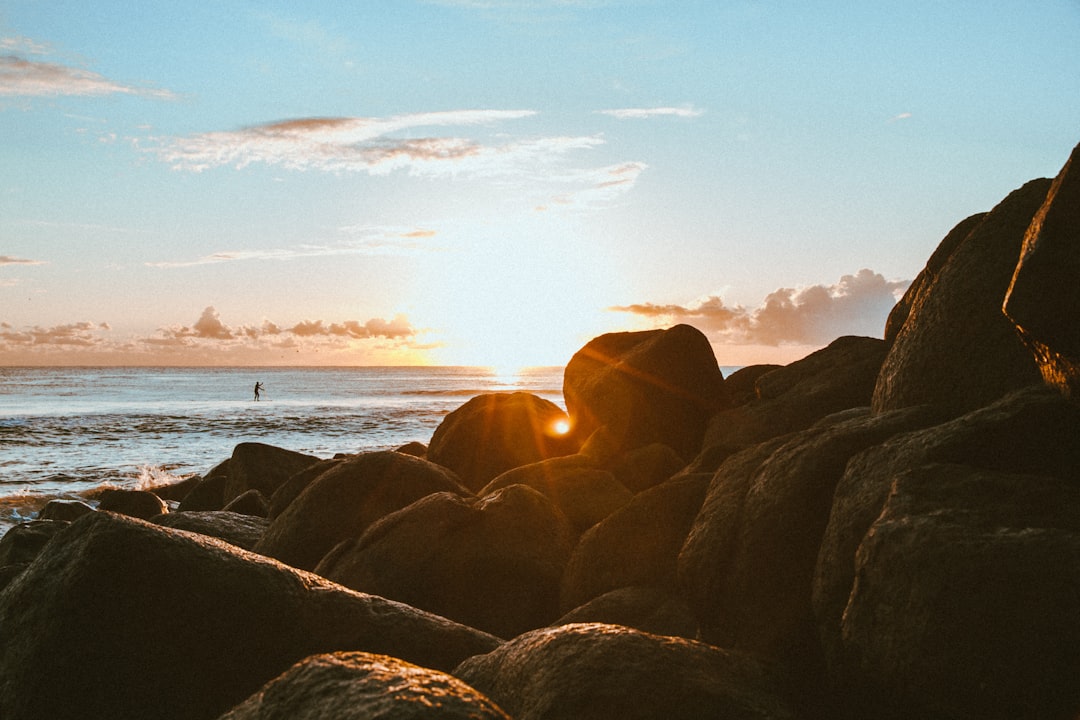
(69, 431)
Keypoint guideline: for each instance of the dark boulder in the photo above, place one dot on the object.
(363, 686)
(22, 542)
(66, 510)
(495, 432)
(251, 502)
(645, 387)
(176, 491)
(609, 672)
(141, 504)
(257, 466)
(648, 609)
(956, 348)
(344, 500)
(121, 619)
(296, 484)
(414, 448)
(492, 563)
(209, 491)
(240, 530)
(1043, 300)
(647, 466)
(637, 544)
(741, 385)
(584, 493)
(792, 398)
(1027, 433)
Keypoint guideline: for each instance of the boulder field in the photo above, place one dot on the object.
(887, 528)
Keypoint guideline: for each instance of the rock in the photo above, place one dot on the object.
(647, 466)
(648, 609)
(965, 602)
(794, 397)
(1043, 300)
(748, 563)
(417, 449)
(606, 672)
(363, 686)
(66, 510)
(636, 545)
(645, 387)
(492, 563)
(741, 385)
(176, 491)
(584, 493)
(956, 348)
(251, 502)
(296, 484)
(10, 572)
(22, 542)
(209, 492)
(1030, 431)
(495, 432)
(343, 501)
(121, 619)
(238, 529)
(257, 466)
(141, 504)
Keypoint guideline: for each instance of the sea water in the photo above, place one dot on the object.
(67, 431)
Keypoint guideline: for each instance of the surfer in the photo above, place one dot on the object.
(258, 387)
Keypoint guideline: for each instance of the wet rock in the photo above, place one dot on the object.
(607, 671)
(251, 502)
(648, 609)
(141, 504)
(209, 492)
(257, 466)
(645, 387)
(636, 545)
(176, 491)
(492, 563)
(584, 493)
(956, 348)
(237, 529)
(414, 448)
(344, 500)
(296, 484)
(362, 686)
(65, 510)
(1043, 300)
(496, 432)
(22, 542)
(121, 619)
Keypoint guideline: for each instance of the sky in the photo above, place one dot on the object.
(496, 182)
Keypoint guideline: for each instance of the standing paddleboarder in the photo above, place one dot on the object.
(258, 387)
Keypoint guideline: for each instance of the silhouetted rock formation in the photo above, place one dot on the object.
(362, 686)
(645, 387)
(141, 504)
(496, 432)
(1044, 298)
(257, 466)
(243, 531)
(649, 609)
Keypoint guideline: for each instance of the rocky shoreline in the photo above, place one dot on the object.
(887, 528)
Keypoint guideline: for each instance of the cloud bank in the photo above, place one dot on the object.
(856, 305)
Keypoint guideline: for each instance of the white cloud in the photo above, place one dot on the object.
(685, 111)
(10, 260)
(28, 78)
(856, 305)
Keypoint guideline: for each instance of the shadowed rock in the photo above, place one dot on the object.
(238, 529)
(636, 545)
(1043, 300)
(141, 504)
(363, 686)
(257, 466)
(645, 387)
(956, 348)
(648, 609)
(343, 501)
(584, 493)
(22, 542)
(297, 483)
(252, 502)
(66, 510)
(495, 432)
(209, 492)
(492, 563)
(122, 619)
(647, 466)
(604, 672)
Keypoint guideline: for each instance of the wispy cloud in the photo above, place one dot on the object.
(597, 186)
(901, 116)
(9, 260)
(856, 305)
(20, 77)
(357, 144)
(80, 334)
(685, 111)
(210, 327)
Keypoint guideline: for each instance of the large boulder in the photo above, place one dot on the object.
(257, 466)
(238, 529)
(22, 542)
(364, 686)
(495, 432)
(291, 488)
(1031, 432)
(141, 504)
(648, 609)
(65, 510)
(637, 544)
(645, 387)
(956, 348)
(1044, 296)
(209, 492)
(344, 500)
(492, 563)
(583, 492)
(610, 672)
(121, 619)
(794, 397)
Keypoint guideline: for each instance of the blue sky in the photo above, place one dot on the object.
(498, 181)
